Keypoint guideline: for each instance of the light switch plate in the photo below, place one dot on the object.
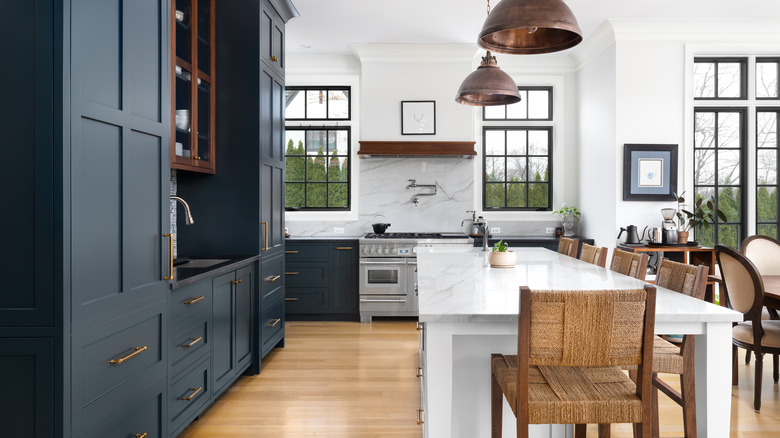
(550, 230)
(338, 230)
(495, 230)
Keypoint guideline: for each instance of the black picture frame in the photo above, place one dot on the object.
(418, 117)
(649, 172)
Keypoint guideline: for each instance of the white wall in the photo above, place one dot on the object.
(597, 150)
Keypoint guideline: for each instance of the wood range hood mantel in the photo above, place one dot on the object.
(440, 149)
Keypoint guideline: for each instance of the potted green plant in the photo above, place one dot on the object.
(501, 256)
(701, 214)
(569, 217)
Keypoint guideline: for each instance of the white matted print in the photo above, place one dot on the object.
(651, 172)
(418, 117)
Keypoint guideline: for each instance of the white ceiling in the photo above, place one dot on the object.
(328, 27)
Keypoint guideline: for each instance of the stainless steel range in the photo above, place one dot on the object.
(388, 270)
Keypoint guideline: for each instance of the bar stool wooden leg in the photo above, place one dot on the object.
(688, 393)
(496, 403)
(580, 430)
(605, 430)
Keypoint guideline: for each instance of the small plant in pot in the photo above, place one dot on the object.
(569, 217)
(501, 256)
(702, 213)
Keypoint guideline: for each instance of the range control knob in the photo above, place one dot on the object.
(372, 250)
(393, 251)
(365, 250)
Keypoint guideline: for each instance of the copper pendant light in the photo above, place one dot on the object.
(527, 27)
(488, 85)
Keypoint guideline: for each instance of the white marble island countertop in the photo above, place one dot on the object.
(458, 285)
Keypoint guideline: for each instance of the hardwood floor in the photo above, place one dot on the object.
(340, 379)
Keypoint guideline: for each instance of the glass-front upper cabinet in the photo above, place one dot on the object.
(192, 136)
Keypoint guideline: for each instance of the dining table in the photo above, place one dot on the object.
(771, 291)
(468, 310)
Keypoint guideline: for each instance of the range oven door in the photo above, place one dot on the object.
(382, 276)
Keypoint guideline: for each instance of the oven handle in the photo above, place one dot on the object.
(366, 262)
(367, 300)
(411, 262)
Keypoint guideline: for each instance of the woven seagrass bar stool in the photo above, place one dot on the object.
(629, 263)
(570, 346)
(594, 255)
(672, 359)
(744, 292)
(568, 246)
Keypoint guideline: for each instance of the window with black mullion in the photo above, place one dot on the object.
(767, 205)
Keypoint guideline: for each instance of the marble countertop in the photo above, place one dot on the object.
(458, 285)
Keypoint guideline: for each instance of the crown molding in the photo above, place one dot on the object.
(414, 53)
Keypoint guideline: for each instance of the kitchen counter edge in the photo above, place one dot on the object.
(193, 275)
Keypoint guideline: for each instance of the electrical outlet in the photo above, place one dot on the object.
(338, 230)
(549, 230)
(495, 230)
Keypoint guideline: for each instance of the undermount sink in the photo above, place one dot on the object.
(201, 263)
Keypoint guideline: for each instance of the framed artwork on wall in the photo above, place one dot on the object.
(418, 117)
(649, 172)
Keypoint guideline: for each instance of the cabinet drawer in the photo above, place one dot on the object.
(272, 320)
(187, 395)
(192, 301)
(307, 251)
(141, 415)
(187, 345)
(110, 356)
(307, 274)
(306, 300)
(272, 275)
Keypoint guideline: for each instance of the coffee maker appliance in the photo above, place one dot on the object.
(668, 226)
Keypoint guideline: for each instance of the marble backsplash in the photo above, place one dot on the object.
(383, 190)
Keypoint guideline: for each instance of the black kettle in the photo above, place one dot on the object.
(632, 238)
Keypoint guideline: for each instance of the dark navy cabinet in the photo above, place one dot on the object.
(322, 279)
(525, 241)
(27, 377)
(272, 305)
(232, 322)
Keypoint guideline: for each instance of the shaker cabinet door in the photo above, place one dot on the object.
(118, 177)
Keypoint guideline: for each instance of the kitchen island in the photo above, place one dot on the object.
(468, 310)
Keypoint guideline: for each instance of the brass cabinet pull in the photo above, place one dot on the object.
(197, 157)
(272, 279)
(291, 252)
(343, 247)
(136, 352)
(419, 371)
(194, 300)
(170, 256)
(420, 416)
(291, 273)
(265, 224)
(292, 299)
(196, 340)
(275, 321)
(141, 435)
(420, 326)
(236, 281)
(191, 396)
(273, 59)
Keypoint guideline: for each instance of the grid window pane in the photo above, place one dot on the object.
(537, 169)
(338, 104)
(729, 79)
(704, 167)
(538, 142)
(316, 194)
(316, 142)
(704, 79)
(338, 169)
(295, 142)
(729, 203)
(517, 169)
(728, 130)
(728, 234)
(728, 167)
(704, 134)
(495, 169)
(294, 196)
(496, 112)
(538, 195)
(519, 110)
(766, 204)
(316, 104)
(538, 104)
(516, 195)
(315, 169)
(766, 129)
(766, 167)
(516, 143)
(338, 195)
(766, 79)
(495, 196)
(494, 142)
(317, 158)
(294, 169)
(768, 230)
(296, 104)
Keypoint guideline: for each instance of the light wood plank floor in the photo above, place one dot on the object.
(339, 379)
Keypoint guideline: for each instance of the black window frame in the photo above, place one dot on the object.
(743, 86)
(768, 60)
(550, 167)
(325, 88)
(327, 183)
(743, 183)
(550, 113)
(776, 185)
